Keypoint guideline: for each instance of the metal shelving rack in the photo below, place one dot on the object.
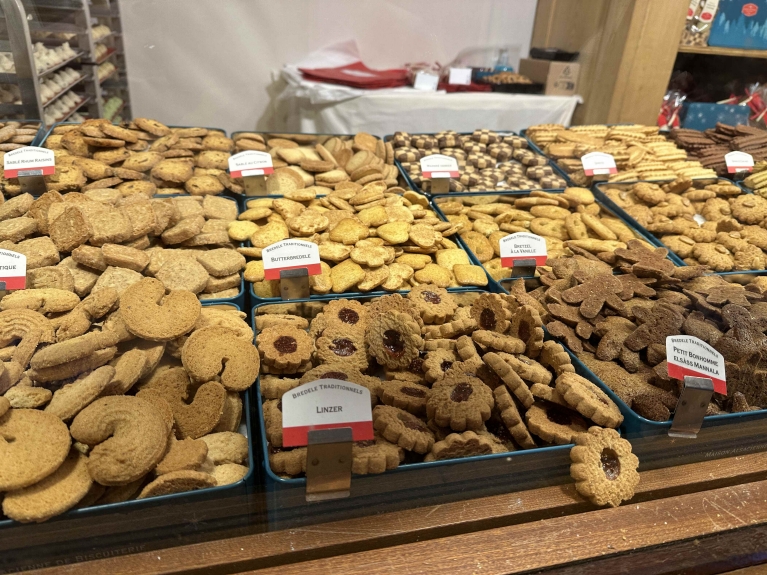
(19, 22)
(108, 12)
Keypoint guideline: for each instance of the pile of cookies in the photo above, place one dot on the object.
(717, 225)
(571, 222)
(450, 376)
(640, 152)
(709, 147)
(486, 160)
(118, 396)
(15, 135)
(318, 164)
(617, 326)
(139, 157)
(85, 242)
(369, 238)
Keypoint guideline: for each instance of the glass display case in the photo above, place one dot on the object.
(267, 308)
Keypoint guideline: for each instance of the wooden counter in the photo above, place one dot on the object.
(699, 518)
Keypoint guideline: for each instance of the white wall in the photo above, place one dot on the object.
(211, 62)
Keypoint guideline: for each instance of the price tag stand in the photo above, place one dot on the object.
(329, 464)
(254, 185)
(440, 185)
(691, 407)
(294, 284)
(32, 182)
(30, 164)
(327, 415)
(253, 167)
(523, 268)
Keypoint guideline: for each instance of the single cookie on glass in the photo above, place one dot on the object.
(603, 467)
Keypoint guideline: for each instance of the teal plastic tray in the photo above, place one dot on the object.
(643, 234)
(411, 484)
(604, 199)
(413, 186)
(636, 426)
(245, 485)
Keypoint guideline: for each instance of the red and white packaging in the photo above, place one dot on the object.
(29, 161)
(439, 166)
(326, 404)
(598, 164)
(523, 246)
(250, 163)
(709, 11)
(687, 355)
(13, 270)
(739, 162)
(290, 255)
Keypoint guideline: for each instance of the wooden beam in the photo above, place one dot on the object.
(559, 541)
(401, 528)
(627, 52)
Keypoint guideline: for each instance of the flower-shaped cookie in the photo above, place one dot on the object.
(339, 343)
(460, 402)
(466, 444)
(375, 456)
(603, 467)
(394, 339)
(346, 313)
(554, 423)
(526, 325)
(490, 313)
(284, 347)
(402, 428)
(434, 303)
(588, 400)
(405, 395)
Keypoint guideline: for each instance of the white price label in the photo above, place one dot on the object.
(425, 81)
(250, 163)
(326, 404)
(739, 162)
(439, 166)
(598, 163)
(13, 270)
(29, 161)
(523, 246)
(687, 355)
(290, 255)
(459, 76)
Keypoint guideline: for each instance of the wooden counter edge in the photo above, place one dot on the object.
(305, 546)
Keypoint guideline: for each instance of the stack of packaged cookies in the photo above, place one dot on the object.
(640, 152)
(369, 238)
(307, 165)
(118, 396)
(710, 146)
(617, 325)
(141, 157)
(486, 160)
(717, 225)
(450, 376)
(571, 222)
(84, 242)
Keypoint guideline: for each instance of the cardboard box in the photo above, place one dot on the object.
(558, 78)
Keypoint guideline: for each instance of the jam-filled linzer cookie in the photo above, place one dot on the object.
(394, 339)
(460, 403)
(284, 348)
(603, 467)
